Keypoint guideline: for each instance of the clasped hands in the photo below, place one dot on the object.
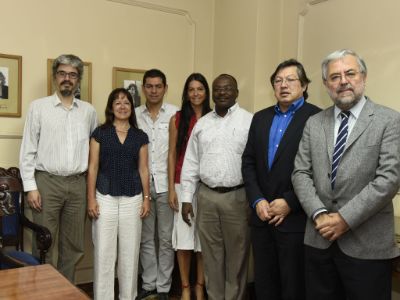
(274, 212)
(331, 226)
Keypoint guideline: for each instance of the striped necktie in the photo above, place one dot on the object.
(340, 144)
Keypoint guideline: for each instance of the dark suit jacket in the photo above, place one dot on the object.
(262, 182)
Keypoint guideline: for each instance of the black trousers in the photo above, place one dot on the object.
(333, 275)
(278, 264)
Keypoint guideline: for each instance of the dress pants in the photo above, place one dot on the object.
(63, 213)
(333, 275)
(278, 263)
(117, 230)
(222, 221)
(157, 267)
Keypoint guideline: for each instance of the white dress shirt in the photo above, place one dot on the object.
(158, 134)
(214, 152)
(354, 114)
(56, 139)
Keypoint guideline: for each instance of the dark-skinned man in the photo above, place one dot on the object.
(213, 165)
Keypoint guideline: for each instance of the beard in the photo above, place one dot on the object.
(67, 90)
(346, 102)
(66, 93)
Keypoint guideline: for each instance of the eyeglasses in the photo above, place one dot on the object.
(349, 75)
(224, 89)
(63, 74)
(289, 80)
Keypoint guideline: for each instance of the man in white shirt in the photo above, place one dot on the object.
(213, 159)
(153, 118)
(53, 162)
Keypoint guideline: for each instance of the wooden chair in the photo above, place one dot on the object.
(13, 222)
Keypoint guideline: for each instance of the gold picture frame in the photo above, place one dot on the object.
(85, 89)
(10, 85)
(130, 79)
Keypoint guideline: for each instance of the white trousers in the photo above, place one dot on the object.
(117, 229)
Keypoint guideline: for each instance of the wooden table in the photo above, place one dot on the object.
(37, 282)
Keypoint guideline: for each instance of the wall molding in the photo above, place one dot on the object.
(10, 137)
(167, 10)
(300, 27)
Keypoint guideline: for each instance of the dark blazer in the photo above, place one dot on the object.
(262, 182)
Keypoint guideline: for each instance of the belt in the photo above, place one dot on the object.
(68, 176)
(223, 189)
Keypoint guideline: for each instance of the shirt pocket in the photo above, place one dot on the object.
(163, 132)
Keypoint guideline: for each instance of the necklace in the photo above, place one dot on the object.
(123, 130)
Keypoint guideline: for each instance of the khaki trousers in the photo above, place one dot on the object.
(63, 213)
(222, 220)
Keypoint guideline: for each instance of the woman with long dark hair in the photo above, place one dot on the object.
(118, 196)
(195, 104)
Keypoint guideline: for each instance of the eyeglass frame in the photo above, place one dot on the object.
(350, 75)
(289, 81)
(63, 74)
(225, 89)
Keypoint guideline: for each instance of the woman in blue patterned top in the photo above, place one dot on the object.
(118, 196)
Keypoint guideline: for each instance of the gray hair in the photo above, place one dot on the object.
(340, 54)
(68, 59)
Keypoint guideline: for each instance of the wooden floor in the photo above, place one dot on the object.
(174, 295)
(88, 289)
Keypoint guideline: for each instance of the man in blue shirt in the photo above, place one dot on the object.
(277, 221)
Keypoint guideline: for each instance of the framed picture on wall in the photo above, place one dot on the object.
(130, 79)
(10, 85)
(84, 91)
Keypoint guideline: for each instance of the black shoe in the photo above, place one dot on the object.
(143, 294)
(163, 296)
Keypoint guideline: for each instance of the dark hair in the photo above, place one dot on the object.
(227, 76)
(2, 79)
(68, 59)
(152, 73)
(187, 111)
(109, 111)
(136, 97)
(304, 80)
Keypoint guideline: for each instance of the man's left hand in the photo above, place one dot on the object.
(187, 212)
(333, 227)
(279, 209)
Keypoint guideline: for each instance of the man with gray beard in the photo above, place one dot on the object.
(346, 174)
(54, 160)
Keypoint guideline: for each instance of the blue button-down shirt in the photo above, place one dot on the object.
(279, 125)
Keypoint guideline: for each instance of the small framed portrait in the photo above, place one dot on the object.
(84, 90)
(130, 79)
(10, 85)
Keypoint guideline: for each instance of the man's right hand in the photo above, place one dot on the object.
(262, 208)
(34, 200)
(187, 209)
